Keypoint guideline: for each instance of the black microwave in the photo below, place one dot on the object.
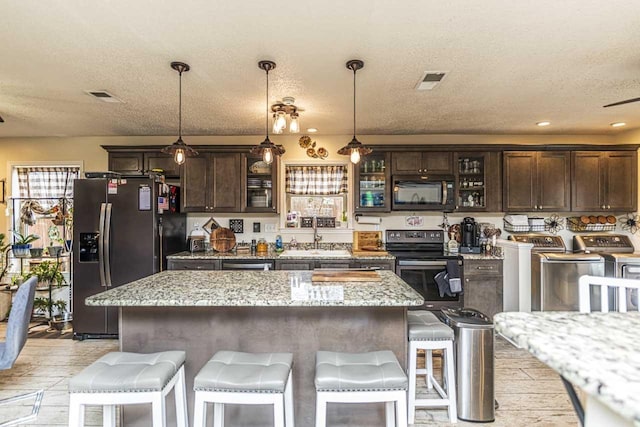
(423, 193)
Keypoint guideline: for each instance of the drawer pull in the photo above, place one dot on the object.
(485, 268)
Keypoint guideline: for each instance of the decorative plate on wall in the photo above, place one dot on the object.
(236, 225)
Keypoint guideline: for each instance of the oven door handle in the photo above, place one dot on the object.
(445, 196)
(413, 263)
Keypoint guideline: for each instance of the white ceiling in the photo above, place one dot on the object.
(509, 63)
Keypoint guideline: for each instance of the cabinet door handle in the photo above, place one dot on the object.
(535, 207)
(420, 170)
(603, 207)
(466, 280)
(608, 206)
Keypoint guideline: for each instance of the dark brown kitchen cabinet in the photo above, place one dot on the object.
(126, 163)
(140, 162)
(536, 181)
(193, 264)
(211, 183)
(483, 285)
(290, 264)
(478, 181)
(153, 160)
(261, 185)
(420, 162)
(373, 183)
(604, 181)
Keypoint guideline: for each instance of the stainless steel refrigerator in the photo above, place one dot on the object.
(122, 232)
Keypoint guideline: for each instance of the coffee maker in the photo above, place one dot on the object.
(470, 236)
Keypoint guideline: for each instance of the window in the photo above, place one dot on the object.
(316, 191)
(43, 202)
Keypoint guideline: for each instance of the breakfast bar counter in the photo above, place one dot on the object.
(203, 312)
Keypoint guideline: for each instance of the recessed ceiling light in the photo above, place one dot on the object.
(541, 124)
(312, 130)
(618, 124)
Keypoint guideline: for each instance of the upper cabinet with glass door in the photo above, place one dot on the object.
(261, 185)
(372, 183)
(478, 181)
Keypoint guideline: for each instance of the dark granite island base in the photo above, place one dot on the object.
(231, 311)
(202, 331)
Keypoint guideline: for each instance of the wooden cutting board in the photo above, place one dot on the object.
(223, 239)
(345, 276)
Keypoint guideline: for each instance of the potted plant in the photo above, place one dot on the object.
(22, 243)
(48, 274)
(55, 241)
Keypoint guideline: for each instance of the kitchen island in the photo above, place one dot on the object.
(268, 311)
(597, 352)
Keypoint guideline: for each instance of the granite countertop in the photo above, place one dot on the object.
(186, 255)
(598, 352)
(248, 288)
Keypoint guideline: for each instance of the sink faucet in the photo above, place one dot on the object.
(316, 236)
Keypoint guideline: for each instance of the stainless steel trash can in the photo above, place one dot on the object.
(473, 349)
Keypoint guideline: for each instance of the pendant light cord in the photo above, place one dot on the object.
(180, 107)
(354, 103)
(266, 122)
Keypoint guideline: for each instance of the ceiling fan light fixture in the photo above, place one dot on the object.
(355, 149)
(267, 149)
(179, 150)
(618, 124)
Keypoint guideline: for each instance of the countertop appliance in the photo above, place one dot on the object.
(423, 193)
(620, 259)
(470, 236)
(120, 234)
(555, 273)
(420, 256)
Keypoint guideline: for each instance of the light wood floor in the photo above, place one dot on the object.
(529, 393)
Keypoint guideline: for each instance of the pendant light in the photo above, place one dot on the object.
(179, 150)
(266, 148)
(355, 149)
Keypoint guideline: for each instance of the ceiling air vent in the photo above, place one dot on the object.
(103, 96)
(430, 79)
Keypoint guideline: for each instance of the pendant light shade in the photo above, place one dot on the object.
(355, 149)
(267, 149)
(179, 150)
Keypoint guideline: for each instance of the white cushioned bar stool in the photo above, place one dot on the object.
(245, 378)
(361, 378)
(428, 333)
(120, 378)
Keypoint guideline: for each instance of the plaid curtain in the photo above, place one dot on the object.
(322, 180)
(46, 182)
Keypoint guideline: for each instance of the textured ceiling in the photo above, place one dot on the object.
(509, 64)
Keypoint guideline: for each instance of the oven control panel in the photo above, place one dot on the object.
(415, 236)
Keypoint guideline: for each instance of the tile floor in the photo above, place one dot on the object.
(529, 393)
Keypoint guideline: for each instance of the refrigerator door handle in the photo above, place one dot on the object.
(103, 209)
(107, 240)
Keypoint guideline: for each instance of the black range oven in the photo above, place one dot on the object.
(419, 257)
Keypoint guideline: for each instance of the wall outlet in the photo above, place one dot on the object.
(269, 228)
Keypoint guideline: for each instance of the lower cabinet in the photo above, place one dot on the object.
(483, 285)
(293, 264)
(296, 264)
(193, 264)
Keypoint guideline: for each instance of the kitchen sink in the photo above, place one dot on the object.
(316, 253)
